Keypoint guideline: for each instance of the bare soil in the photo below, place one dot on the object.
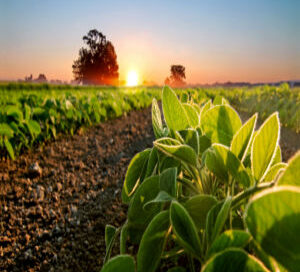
(56, 221)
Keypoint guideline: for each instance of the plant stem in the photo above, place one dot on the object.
(248, 192)
(191, 263)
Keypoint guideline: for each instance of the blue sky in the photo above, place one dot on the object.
(215, 40)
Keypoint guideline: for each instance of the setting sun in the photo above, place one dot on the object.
(132, 78)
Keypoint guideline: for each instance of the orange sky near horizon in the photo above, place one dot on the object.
(216, 41)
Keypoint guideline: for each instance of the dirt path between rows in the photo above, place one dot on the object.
(56, 222)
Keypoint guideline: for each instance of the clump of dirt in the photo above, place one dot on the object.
(54, 220)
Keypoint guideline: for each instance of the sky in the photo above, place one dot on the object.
(216, 40)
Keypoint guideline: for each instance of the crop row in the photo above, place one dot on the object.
(265, 100)
(212, 194)
(31, 117)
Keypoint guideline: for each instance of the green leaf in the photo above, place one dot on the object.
(174, 113)
(223, 162)
(5, 130)
(205, 143)
(183, 153)
(220, 123)
(233, 260)
(152, 163)
(34, 128)
(216, 219)
(192, 115)
(156, 120)
(134, 174)
(167, 181)
(9, 148)
(123, 238)
(109, 234)
(138, 218)
(119, 263)
(273, 219)
(191, 138)
(242, 138)
(198, 207)
(204, 109)
(152, 243)
(14, 112)
(184, 228)
(277, 157)
(264, 147)
(291, 176)
(162, 197)
(229, 238)
(274, 171)
(218, 100)
(27, 110)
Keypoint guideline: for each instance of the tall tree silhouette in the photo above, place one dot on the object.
(176, 79)
(97, 63)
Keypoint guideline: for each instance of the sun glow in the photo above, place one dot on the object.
(132, 78)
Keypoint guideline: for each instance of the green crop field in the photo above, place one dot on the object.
(33, 113)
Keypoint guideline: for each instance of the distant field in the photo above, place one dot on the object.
(33, 113)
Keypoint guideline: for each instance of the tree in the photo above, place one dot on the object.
(177, 76)
(97, 63)
(41, 78)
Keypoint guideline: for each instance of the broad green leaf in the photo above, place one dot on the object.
(205, 143)
(192, 115)
(174, 113)
(119, 263)
(220, 123)
(138, 218)
(33, 127)
(184, 228)
(152, 243)
(168, 162)
(9, 149)
(162, 197)
(14, 112)
(198, 207)
(218, 100)
(233, 260)
(156, 120)
(215, 164)
(273, 219)
(274, 171)
(216, 219)
(134, 174)
(291, 175)
(264, 146)
(183, 153)
(167, 181)
(229, 238)
(223, 162)
(191, 138)
(242, 138)
(6, 130)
